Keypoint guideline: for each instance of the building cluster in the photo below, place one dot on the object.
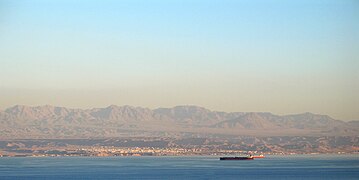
(127, 151)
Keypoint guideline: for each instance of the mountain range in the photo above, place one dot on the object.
(115, 121)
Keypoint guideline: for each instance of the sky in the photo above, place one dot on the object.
(279, 56)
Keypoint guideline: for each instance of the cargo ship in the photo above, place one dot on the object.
(237, 158)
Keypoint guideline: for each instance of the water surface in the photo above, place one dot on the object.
(271, 167)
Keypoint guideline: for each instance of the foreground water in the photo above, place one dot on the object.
(271, 167)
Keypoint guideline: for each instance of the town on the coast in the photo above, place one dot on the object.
(145, 146)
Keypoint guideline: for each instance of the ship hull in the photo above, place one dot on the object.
(236, 158)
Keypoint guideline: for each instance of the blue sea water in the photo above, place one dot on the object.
(199, 167)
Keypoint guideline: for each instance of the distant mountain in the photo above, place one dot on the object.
(115, 121)
(251, 121)
(122, 114)
(354, 123)
(194, 115)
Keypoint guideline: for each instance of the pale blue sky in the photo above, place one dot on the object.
(262, 55)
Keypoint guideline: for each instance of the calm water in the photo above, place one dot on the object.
(272, 167)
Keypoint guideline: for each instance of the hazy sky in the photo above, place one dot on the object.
(263, 55)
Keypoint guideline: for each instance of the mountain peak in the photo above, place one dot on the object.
(17, 109)
(112, 106)
(193, 107)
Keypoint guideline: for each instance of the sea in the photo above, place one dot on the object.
(188, 167)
